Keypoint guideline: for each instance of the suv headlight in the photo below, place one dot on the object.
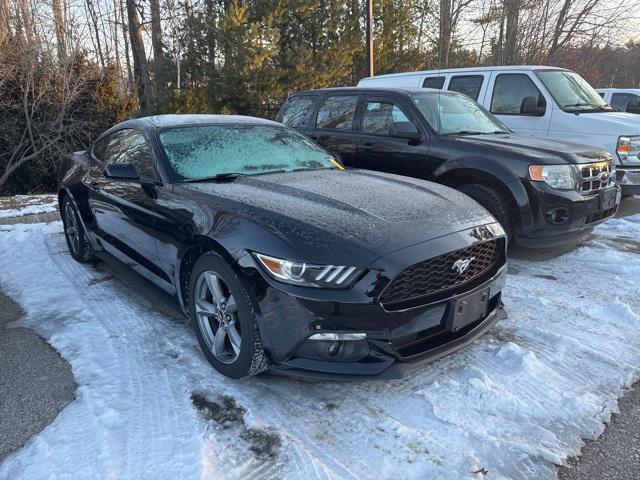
(562, 177)
(628, 149)
(308, 274)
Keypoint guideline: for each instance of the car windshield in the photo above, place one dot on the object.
(456, 114)
(572, 92)
(204, 151)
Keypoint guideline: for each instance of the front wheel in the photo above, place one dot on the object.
(74, 232)
(224, 319)
(492, 201)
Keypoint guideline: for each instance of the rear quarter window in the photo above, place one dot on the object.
(469, 85)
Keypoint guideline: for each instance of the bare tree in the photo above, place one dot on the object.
(60, 28)
(450, 13)
(5, 31)
(140, 68)
(511, 14)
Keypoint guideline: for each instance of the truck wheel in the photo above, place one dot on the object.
(492, 201)
(224, 318)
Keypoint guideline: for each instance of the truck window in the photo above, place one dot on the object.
(380, 118)
(295, 111)
(621, 101)
(512, 92)
(470, 85)
(433, 82)
(337, 112)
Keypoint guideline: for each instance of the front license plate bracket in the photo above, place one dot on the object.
(466, 310)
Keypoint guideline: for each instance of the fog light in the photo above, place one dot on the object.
(558, 216)
(338, 337)
(333, 348)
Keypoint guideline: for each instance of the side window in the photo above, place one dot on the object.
(516, 94)
(129, 146)
(470, 85)
(100, 147)
(625, 102)
(433, 82)
(382, 117)
(295, 111)
(337, 112)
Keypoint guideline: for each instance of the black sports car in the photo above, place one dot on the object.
(280, 257)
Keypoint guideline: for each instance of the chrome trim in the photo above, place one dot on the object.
(598, 175)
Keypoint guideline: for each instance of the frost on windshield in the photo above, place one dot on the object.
(208, 150)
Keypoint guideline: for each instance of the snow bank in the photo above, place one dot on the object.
(149, 406)
(20, 205)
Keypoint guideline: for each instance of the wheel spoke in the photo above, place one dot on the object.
(213, 282)
(234, 337)
(232, 307)
(205, 308)
(218, 342)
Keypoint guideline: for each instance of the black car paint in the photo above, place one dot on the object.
(359, 218)
(500, 161)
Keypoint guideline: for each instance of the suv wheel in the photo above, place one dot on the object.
(224, 319)
(492, 201)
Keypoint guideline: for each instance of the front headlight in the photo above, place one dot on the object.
(308, 274)
(562, 177)
(628, 149)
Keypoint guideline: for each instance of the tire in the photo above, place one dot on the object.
(75, 234)
(492, 201)
(224, 318)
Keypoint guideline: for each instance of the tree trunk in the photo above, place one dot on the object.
(5, 32)
(446, 30)
(156, 42)
(140, 69)
(60, 28)
(125, 36)
(26, 21)
(512, 13)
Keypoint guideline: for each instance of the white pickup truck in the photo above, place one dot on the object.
(542, 102)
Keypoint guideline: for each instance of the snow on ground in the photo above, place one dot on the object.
(20, 205)
(149, 406)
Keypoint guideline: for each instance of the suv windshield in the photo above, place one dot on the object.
(456, 114)
(572, 92)
(203, 151)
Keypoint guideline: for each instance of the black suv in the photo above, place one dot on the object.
(544, 192)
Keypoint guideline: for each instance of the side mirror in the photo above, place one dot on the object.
(405, 130)
(530, 106)
(121, 171)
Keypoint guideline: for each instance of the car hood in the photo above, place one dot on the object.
(360, 213)
(598, 123)
(540, 150)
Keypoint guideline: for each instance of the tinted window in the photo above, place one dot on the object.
(470, 85)
(621, 101)
(433, 82)
(129, 146)
(206, 150)
(510, 91)
(296, 110)
(100, 147)
(337, 112)
(380, 118)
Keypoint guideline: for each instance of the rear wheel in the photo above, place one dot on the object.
(74, 232)
(492, 201)
(224, 318)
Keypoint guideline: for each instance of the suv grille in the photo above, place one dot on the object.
(437, 278)
(593, 178)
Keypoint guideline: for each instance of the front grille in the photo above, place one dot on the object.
(595, 176)
(436, 278)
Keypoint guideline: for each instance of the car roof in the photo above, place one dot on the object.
(402, 90)
(468, 70)
(177, 120)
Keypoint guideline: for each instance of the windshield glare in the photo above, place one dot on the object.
(201, 151)
(450, 113)
(571, 91)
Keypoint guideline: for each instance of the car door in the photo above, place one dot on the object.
(520, 103)
(332, 124)
(376, 143)
(124, 210)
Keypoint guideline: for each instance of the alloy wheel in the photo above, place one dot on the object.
(71, 228)
(217, 317)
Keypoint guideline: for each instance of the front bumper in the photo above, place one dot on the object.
(560, 216)
(395, 343)
(630, 181)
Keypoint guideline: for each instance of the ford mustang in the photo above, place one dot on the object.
(279, 257)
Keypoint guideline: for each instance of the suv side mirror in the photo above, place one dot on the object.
(121, 171)
(530, 106)
(405, 130)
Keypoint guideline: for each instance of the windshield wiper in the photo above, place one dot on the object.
(213, 178)
(466, 132)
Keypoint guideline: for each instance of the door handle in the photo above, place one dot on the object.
(367, 146)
